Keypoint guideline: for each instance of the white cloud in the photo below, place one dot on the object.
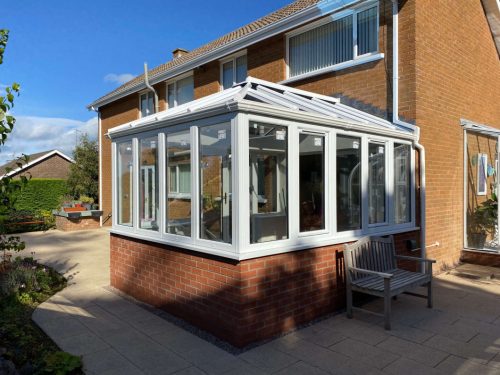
(118, 78)
(35, 134)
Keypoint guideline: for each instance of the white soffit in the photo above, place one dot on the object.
(254, 92)
(492, 11)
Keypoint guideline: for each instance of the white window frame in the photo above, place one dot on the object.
(117, 208)
(148, 94)
(232, 58)
(177, 194)
(357, 59)
(240, 248)
(174, 82)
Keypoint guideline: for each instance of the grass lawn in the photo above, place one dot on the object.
(24, 284)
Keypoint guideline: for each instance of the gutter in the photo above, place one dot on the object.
(397, 121)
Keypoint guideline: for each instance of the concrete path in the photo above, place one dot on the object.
(461, 335)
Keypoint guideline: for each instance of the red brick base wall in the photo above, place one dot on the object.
(481, 258)
(240, 302)
(84, 223)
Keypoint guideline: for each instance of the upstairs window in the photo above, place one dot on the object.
(233, 71)
(333, 42)
(147, 103)
(180, 91)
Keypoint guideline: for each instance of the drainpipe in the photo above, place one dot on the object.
(146, 81)
(397, 121)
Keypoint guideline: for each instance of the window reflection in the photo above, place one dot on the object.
(148, 183)
(215, 179)
(348, 183)
(311, 182)
(125, 181)
(268, 182)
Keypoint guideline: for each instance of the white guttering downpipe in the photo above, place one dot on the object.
(397, 121)
(146, 81)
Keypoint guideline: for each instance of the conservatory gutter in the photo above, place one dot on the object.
(247, 106)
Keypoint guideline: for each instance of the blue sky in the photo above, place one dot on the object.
(66, 53)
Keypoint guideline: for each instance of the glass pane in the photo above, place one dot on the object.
(311, 182)
(268, 182)
(178, 201)
(241, 69)
(184, 178)
(321, 47)
(125, 180)
(367, 31)
(348, 183)
(151, 104)
(144, 105)
(148, 184)
(227, 75)
(171, 95)
(185, 90)
(376, 183)
(402, 180)
(215, 179)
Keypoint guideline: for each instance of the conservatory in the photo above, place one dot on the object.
(261, 169)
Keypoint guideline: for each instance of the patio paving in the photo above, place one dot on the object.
(461, 335)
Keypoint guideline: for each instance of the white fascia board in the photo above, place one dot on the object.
(38, 160)
(319, 10)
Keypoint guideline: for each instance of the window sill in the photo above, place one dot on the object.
(334, 68)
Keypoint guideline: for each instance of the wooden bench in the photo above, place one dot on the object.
(371, 268)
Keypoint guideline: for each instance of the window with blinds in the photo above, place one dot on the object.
(335, 42)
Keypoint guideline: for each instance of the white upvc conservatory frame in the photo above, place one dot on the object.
(241, 248)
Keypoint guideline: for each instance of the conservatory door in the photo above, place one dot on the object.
(481, 179)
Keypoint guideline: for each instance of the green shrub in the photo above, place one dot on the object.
(61, 363)
(41, 194)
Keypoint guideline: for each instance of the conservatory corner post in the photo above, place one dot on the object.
(241, 187)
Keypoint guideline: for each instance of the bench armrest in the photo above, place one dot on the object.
(373, 273)
(421, 260)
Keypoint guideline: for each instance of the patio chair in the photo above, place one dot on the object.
(371, 268)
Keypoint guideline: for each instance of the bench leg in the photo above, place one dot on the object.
(429, 295)
(387, 304)
(349, 301)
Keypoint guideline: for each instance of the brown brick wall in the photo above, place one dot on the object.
(52, 167)
(240, 302)
(69, 225)
(458, 76)
(481, 258)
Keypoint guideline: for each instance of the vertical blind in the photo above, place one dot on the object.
(332, 43)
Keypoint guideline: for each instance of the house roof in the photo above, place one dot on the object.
(184, 63)
(33, 159)
(255, 95)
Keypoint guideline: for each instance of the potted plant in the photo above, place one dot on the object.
(86, 202)
(483, 222)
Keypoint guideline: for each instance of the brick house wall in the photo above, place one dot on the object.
(53, 167)
(458, 77)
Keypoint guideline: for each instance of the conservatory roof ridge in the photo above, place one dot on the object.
(254, 90)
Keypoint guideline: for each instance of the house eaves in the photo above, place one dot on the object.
(320, 9)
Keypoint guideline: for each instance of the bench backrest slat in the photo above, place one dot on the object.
(371, 253)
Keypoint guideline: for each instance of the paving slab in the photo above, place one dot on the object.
(461, 335)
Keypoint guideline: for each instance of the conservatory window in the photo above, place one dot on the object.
(268, 182)
(178, 151)
(312, 182)
(348, 183)
(148, 183)
(125, 183)
(402, 183)
(376, 183)
(215, 183)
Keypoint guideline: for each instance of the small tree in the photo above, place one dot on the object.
(7, 185)
(83, 177)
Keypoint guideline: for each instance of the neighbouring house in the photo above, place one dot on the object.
(234, 173)
(45, 164)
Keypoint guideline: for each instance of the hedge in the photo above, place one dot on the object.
(41, 194)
